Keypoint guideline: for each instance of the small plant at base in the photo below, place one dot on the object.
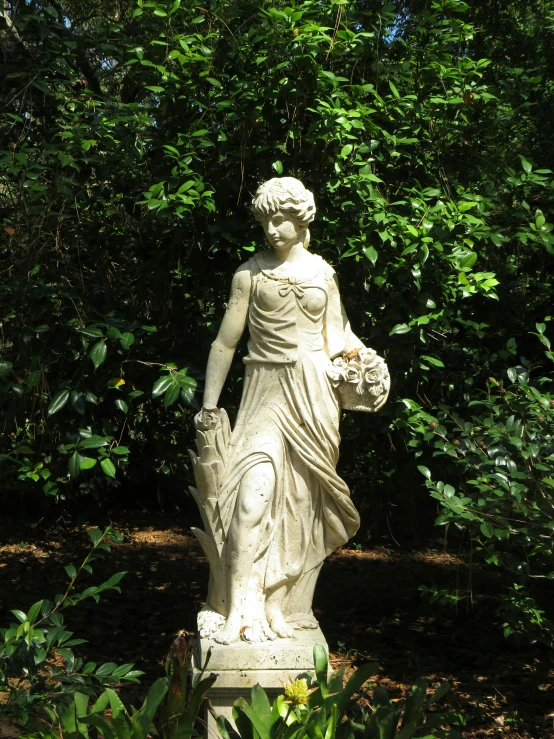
(327, 707)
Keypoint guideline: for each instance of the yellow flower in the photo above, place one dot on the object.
(297, 691)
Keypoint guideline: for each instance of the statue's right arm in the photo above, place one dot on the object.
(232, 328)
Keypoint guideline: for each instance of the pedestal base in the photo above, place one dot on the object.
(240, 666)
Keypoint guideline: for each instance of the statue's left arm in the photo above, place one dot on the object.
(339, 337)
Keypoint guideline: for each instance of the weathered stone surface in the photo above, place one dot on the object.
(272, 504)
(240, 666)
(264, 657)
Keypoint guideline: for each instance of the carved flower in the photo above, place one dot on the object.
(352, 372)
(208, 419)
(336, 372)
(367, 356)
(374, 374)
(367, 371)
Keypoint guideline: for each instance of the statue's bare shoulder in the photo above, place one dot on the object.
(242, 279)
(327, 270)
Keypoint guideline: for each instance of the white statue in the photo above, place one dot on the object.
(272, 503)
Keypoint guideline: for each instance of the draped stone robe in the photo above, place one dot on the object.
(289, 416)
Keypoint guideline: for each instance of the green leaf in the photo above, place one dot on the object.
(145, 715)
(171, 395)
(527, 166)
(188, 387)
(108, 467)
(469, 260)
(413, 711)
(278, 167)
(161, 385)
(425, 471)
(321, 663)
(87, 463)
(358, 678)
(74, 465)
(58, 401)
(487, 529)
(120, 450)
(106, 669)
(126, 339)
(432, 360)
(95, 536)
(371, 254)
(122, 405)
(400, 328)
(93, 442)
(394, 90)
(93, 331)
(260, 704)
(439, 693)
(98, 354)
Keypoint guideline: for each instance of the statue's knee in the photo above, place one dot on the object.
(252, 505)
(255, 494)
(251, 508)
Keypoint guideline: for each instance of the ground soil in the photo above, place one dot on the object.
(368, 603)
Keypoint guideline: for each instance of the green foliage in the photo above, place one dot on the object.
(39, 672)
(169, 710)
(50, 692)
(133, 138)
(329, 708)
(503, 460)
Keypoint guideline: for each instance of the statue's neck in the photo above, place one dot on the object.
(289, 254)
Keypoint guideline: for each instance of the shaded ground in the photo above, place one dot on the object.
(368, 605)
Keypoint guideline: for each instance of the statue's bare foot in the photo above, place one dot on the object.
(301, 621)
(209, 621)
(230, 633)
(280, 626)
(258, 631)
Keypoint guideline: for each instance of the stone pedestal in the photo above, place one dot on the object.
(242, 665)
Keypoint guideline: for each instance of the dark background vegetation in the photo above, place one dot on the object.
(133, 136)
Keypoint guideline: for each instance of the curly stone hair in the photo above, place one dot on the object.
(288, 195)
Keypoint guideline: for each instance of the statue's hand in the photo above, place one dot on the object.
(208, 419)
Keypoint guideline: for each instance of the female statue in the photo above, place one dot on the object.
(281, 507)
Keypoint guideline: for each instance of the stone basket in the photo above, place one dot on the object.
(361, 379)
(351, 400)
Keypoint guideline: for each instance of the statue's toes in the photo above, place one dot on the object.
(258, 631)
(269, 633)
(282, 628)
(225, 637)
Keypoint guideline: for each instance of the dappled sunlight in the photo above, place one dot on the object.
(367, 601)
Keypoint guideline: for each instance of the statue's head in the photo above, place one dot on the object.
(288, 196)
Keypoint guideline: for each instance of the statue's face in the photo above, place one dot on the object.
(282, 230)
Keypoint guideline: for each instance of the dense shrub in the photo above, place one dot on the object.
(134, 136)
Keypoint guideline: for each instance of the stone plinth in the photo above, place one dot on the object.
(242, 665)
